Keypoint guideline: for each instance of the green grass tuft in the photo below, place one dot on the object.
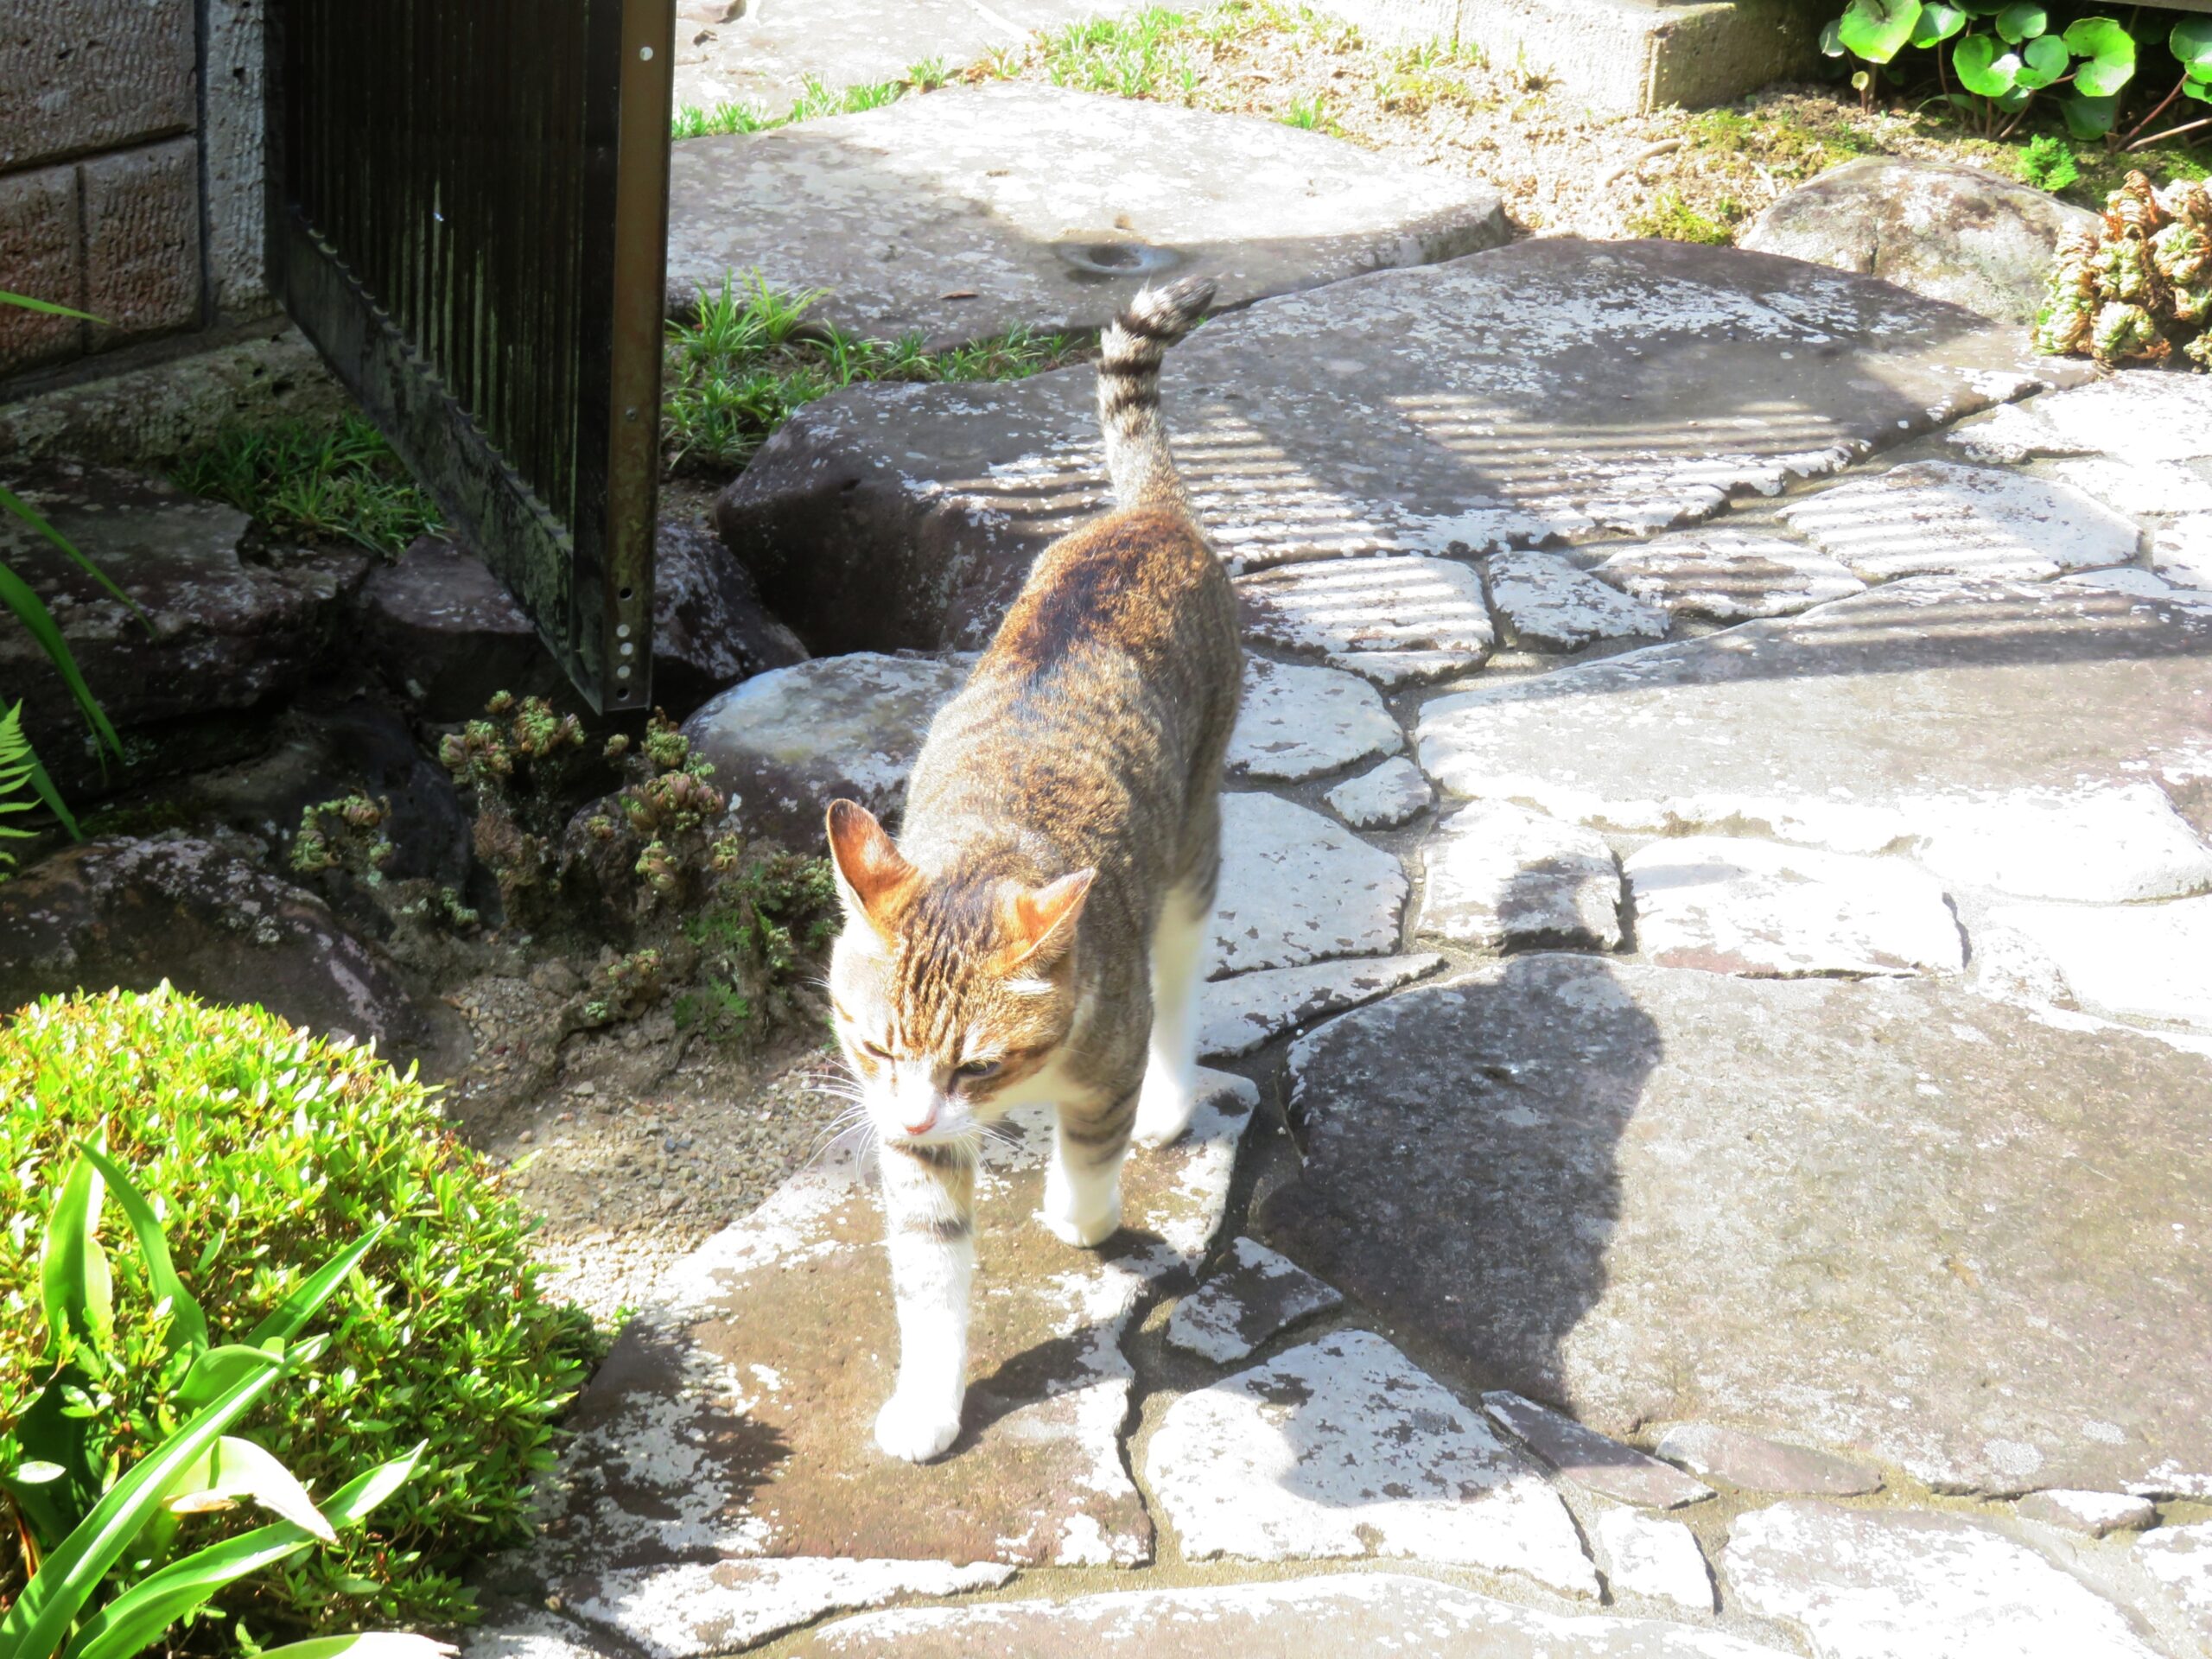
(304, 482)
(1671, 217)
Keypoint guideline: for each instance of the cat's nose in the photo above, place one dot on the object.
(923, 1121)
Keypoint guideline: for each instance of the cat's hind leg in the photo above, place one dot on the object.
(1180, 945)
(1082, 1183)
(929, 1194)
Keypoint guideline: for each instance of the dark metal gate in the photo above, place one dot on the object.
(469, 218)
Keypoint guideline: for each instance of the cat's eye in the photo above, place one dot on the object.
(875, 1051)
(975, 1071)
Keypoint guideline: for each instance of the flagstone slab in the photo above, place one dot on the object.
(2143, 414)
(1938, 517)
(1830, 1208)
(1253, 1295)
(1589, 1458)
(2132, 488)
(1298, 887)
(1733, 906)
(1239, 1014)
(976, 210)
(1645, 1556)
(690, 1610)
(2180, 1558)
(732, 1423)
(1630, 387)
(1760, 1463)
(1397, 621)
(2093, 1514)
(1396, 792)
(1728, 575)
(2182, 550)
(1301, 723)
(1549, 603)
(1868, 1583)
(1343, 1447)
(1327, 1614)
(1502, 878)
(2035, 738)
(2144, 961)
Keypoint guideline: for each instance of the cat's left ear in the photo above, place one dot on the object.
(1042, 919)
(871, 871)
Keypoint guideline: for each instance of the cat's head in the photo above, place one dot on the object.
(949, 997)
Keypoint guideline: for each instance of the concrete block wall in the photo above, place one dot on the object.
(131, 176)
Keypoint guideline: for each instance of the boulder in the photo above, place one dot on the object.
(1826, 1208)
(709, 630)
(978, 210)
(133, 914)
(1938, 229)
(218, 639)
(445, 632)
(1655, 379)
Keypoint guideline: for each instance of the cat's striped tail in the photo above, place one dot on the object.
(1137, 457)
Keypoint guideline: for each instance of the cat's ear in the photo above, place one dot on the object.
(871, 871)
(1041, 920)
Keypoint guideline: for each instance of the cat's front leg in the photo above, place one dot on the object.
(1083, 1183)
(929, 1193)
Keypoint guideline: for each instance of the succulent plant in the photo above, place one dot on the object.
(2138, 287)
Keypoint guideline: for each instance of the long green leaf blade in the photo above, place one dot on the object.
(216, 1369)
(66, 1579)
(241, 1469)
(25, 302)
(296, 1309)
(74, 1283)
(353, 1502)
(30, 610)
(134, 1620)
(187, 1324)
(31, 516)
(368, 1645)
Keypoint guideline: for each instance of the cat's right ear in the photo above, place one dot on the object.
(871, 871)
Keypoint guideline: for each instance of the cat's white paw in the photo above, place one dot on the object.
(917, 1428)
(1084, 1232)
(1164, 1108)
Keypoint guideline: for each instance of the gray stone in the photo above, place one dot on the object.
(1867, 1584)
(1932, 518)
(788, 742)
(133, 914)
(2182, 550)
(1612, 388)
(1296, 887)
(1239, 1014)
(2135, 487)
(732, 1422)
(1301, 723)
(2095, 1515)
(1729, 575)
(2012, 433)
(1833, 1207)
(1332, 1613)
(1253, 1295)
(1733, 906)
(1936, 228)
(980, 209)
(1594, 1460)
(689, 1610)
(529, 1633)
(2143, 414)
(1393, 793)
(708, 629)
(1759, 1463)
(1394, 621)
(447, 635)
(1502, 878)
(2139, 961)
(2031, 739)
(2180, 1558)
(1646, 1555)
(1343, 1447)
(1549, 604)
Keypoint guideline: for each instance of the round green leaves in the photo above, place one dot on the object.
(1877, 29)
(2110, 50)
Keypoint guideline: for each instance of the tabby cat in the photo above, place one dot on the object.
(1037, 933)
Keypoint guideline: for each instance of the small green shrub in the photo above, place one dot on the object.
(267, 1151)
(2047, 162)
(1667, 215)
(314, 483)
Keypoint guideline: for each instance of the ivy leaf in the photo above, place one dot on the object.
(1979, 69)
(1876, 29)
(2191, 41)
(2043, 60)
(2089, 118)
(2021, 22)
(1938, 22)
(2110, 50)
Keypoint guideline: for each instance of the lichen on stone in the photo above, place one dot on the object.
(2136, 287)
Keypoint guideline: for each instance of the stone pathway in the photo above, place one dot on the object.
(1746, 1093)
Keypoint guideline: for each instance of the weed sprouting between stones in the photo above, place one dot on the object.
(1667, 215)
(752, 358)
(314, 483)
(815, 100)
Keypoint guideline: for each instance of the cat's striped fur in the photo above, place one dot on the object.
(1036, 933)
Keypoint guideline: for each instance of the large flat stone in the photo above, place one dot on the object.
(1503, 878)
(1733, 906)
(1240, 1013)
(689, 1610)
(1888, 1584)
(1760, 1463)
(1938, 517)
(1343, 1447)
(732, 1420)
(2180, 1558)
(1337, 1613)
(2033, 739)
(1836, 1208)
(1048, 209)
(1629, 386)
(1253, 1294)
(1297, 888)
(1394, 621)
(1647, 1555)
(1729, 575)
(2143, 962)
(1549, 604)
(1393, 793)
(1589, 1458)
(1301, 723)
(2144, 413)
(788, 742)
